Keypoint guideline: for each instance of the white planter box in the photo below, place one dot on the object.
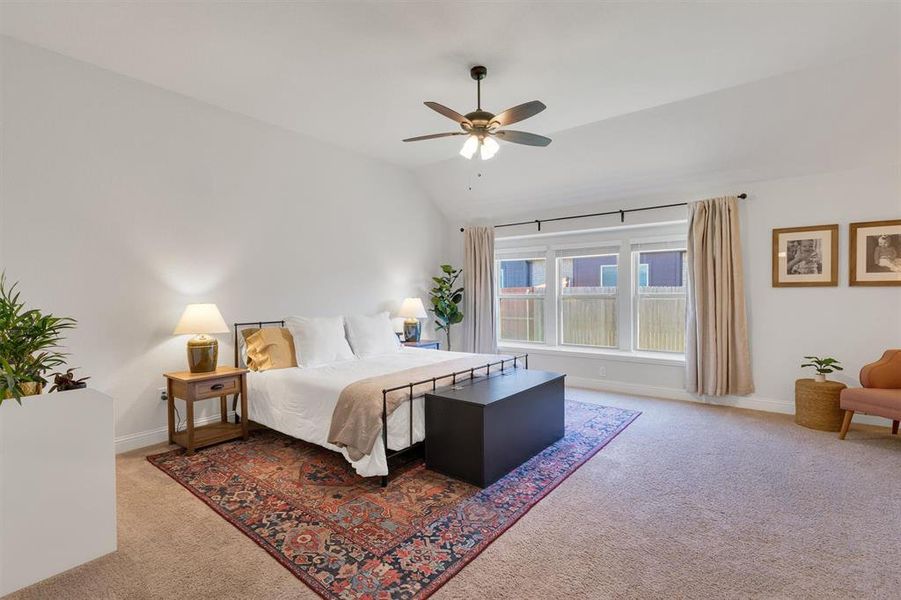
(57, 484)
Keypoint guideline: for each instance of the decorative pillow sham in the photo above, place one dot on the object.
(319, 341)
(268, 348)
(371, 335)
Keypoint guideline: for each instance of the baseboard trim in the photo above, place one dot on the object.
(142, 439)
(761, 403)
(151, 437)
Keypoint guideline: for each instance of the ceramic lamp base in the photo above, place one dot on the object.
(411, 331)
(203, 354)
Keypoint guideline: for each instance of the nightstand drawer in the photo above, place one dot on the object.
(212, 388)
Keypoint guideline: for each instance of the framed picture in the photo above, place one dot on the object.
(875, 255)
(805, 256)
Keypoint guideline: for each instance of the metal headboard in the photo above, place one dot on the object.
(237, 345)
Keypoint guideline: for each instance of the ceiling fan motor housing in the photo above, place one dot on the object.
(479, 119)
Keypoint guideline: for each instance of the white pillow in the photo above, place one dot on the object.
(371, 336)
(319, 341)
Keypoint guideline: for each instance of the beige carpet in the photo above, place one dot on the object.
(690, 501)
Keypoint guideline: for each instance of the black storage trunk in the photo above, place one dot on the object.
(486, 428)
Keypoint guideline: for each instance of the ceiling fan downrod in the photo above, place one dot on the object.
(478, 73)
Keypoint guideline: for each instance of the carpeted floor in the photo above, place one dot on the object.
(690, 501)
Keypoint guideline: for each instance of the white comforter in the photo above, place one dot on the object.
(299, 402)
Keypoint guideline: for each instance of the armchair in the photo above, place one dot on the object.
(880, 394)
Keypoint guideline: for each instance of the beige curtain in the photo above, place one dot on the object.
(717, 356)
(478, 291)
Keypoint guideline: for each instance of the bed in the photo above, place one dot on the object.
(300, 402)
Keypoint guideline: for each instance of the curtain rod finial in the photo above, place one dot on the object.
(462, 230)
(742, 196)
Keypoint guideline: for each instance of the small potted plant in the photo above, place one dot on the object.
(63, 382)
(29, 345)
(823, 366)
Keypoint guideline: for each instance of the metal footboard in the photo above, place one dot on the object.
(524, 358)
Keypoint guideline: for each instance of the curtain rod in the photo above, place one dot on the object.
(621, 212)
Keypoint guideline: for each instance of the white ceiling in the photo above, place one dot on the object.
(643, 99)
(356, 74)
(830, 118)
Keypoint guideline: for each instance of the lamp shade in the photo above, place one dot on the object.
(412, 308)
(201, 318)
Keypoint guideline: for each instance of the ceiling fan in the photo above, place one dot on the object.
(482, 127)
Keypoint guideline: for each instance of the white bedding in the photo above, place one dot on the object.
(299, 402)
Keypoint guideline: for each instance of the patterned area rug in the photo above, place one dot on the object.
(347, 537)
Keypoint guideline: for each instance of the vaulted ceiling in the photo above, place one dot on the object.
(637, 94)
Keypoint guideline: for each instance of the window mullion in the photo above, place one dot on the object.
(551, 298)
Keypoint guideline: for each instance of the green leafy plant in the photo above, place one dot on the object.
(824, 366)
(29, 344)
(446, 299)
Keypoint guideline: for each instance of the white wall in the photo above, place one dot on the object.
(854, 324)
(123, 202)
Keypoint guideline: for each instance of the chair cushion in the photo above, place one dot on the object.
(873, 401)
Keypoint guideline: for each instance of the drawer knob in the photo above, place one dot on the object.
(218, 386)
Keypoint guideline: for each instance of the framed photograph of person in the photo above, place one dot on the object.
(805, 256)
(875, 256)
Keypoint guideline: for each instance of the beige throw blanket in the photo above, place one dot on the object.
(357, 420)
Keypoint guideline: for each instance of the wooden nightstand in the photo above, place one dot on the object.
(192, 387)
(434, 344)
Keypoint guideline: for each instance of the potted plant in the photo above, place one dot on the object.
(823, 366)
(446, 299)
(63, 382)
(29, 345)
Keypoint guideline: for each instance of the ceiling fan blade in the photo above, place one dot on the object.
(434, 135)
(521, 137)
(519, 113)
(449, 113)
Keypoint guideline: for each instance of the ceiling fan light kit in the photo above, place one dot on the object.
(481, 127)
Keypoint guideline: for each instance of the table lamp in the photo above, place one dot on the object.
(412, 310)
(203, 350)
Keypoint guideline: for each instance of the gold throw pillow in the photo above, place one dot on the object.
(269, 348)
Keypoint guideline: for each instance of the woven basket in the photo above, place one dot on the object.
(817, 404)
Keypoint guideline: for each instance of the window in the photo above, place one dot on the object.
(608, 275)
(613, 291)
(521, 288)
(660, 293)
(643, 269)
(588, 300)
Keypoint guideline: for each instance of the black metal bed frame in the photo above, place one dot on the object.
(434, 381)
(259, 324)
(408, 386)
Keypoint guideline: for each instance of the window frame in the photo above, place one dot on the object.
(558, 310)
(678, 246)
(498, 259)
(551, 247)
